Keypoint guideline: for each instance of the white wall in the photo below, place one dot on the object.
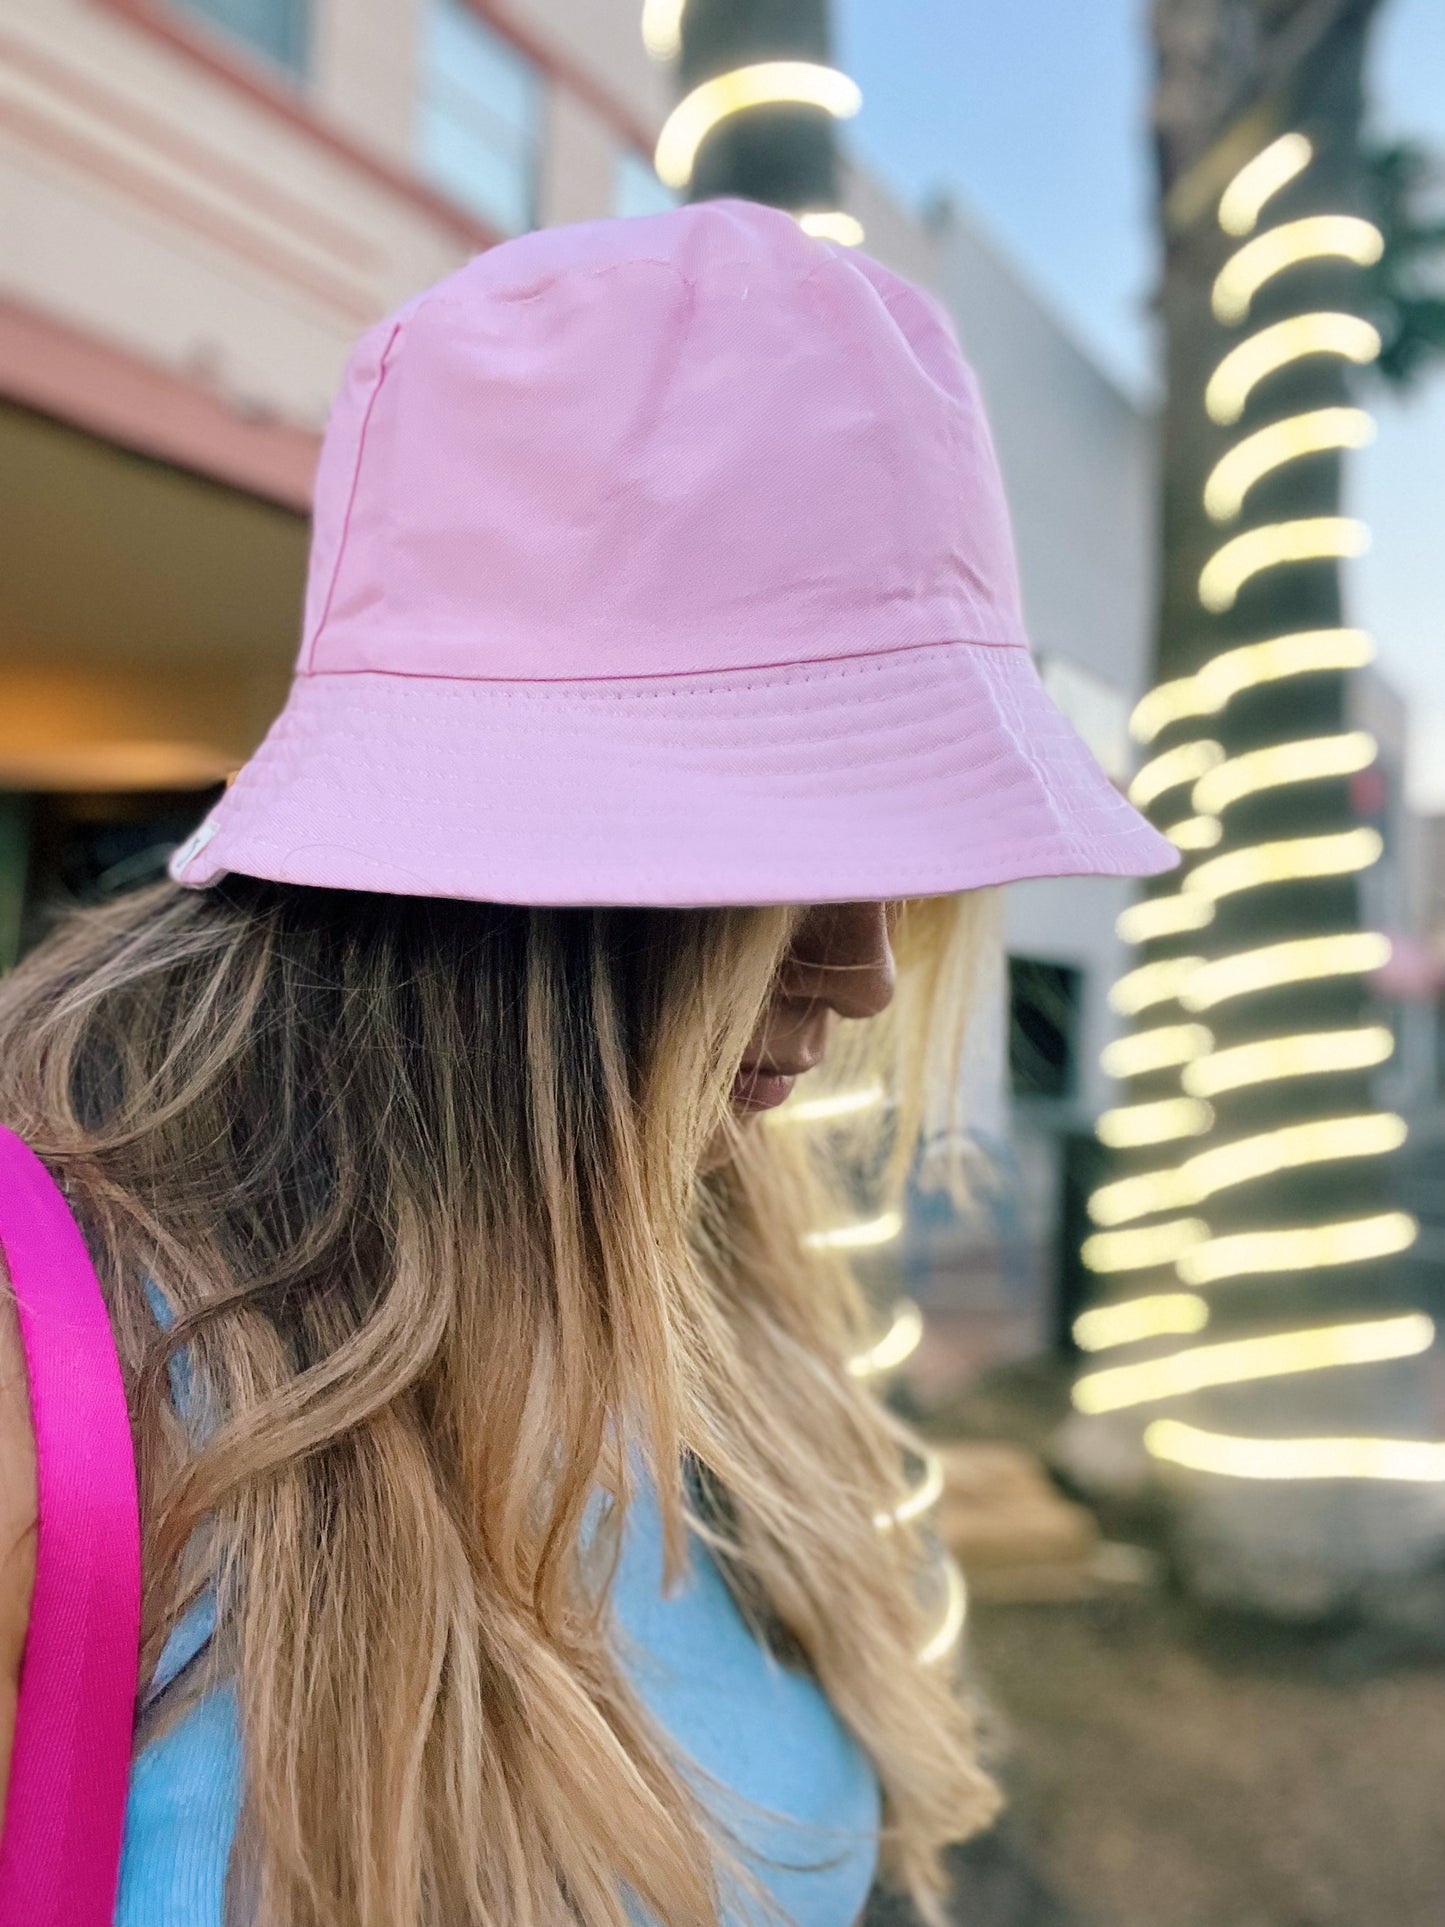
(1079, 466)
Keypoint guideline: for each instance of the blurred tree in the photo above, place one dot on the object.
(1292, 256)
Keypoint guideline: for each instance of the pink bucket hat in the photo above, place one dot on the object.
(665, 561)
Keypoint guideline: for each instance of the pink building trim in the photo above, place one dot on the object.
(106, 391)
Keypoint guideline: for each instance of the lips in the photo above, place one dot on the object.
(762, 1087)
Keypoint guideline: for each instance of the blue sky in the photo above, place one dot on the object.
(1034, 113)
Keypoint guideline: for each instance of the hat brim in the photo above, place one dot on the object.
(919, 772)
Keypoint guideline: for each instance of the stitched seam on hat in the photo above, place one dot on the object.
(826, 666)
(1010, 860)
(381, 373)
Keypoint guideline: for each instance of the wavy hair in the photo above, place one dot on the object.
(434, 1193)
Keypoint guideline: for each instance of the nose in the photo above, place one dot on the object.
(842, 956)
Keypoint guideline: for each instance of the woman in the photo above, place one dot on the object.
(518, 1545)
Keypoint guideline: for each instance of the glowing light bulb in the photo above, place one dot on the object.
(1161, 1315)
(856, 1237)
(1186, 764)
(1282, 1354)
(895, 1347)
(1162, 917)
(1314, 538)
(1265, 353)
(1316, 237)
(1141, 1197)
(1314, 1247)
(832, 224)
(1131, 1125)
(924, 1496)
(1303, 653)
(1139, 1250)
(1155, 1050)
(1287, 861)
(1236, 473)
(1152, 983)
(1409, 1461)
(1309, 1054)
(1321, 1140)
(799, 83)
(1168, 702)
(1260, 179)
(1353, 953)
(952, 1619)
(1306, 761)
(1195, 833)
(662, 28)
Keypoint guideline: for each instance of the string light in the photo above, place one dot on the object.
(1304, 1248)
(1306, 761)
(1305, 652)
(832, 224)
(1132, 1125)
(1286, 861)
(662, 28)
(1166, 703)
(1162, 917)
(1186, 764)
(1237, 1361)
(1321, 1140)
(1261, 178)
(1139, 1250)
(1270, 349)
(1408, 1461)
(1164, 1314)
(952, 1620)
(1152, 983)
(1353, 953)
(924, 1496)
(1314, 538)
(1316, 237)
(1236, 472)
(1195, 833)
(1309, 1054)
(1200, 1258)
(798, 83)
(895, 1347)
(856, 1237)
(824, 1110)
(1141, 1197)
(1155, 1050)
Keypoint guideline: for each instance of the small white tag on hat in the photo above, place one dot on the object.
(193, 845)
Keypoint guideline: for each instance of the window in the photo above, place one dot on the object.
(479, 114)
(636, 188)
(278, 29)
(1044, 1001)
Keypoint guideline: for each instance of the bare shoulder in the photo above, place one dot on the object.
(17, 1519)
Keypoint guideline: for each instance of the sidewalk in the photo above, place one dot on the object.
(1170, 1767)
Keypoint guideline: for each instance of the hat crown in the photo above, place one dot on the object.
(691, 442)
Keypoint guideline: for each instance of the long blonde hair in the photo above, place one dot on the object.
(419, 1182)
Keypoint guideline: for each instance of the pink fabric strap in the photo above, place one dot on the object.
(65, 1813)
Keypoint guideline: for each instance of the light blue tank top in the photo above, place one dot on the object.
(766, 1734)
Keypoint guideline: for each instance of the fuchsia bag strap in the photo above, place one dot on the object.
(69, 1771)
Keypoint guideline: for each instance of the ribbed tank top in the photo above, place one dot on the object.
(800, 1791)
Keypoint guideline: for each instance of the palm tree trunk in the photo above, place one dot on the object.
(785, 154)
(1293, 1230)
